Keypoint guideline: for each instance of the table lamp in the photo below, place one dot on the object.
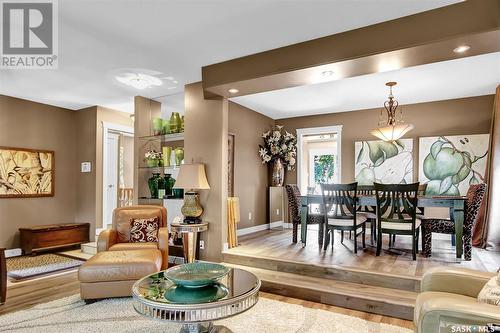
(192, 177)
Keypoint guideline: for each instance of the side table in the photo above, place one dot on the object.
(189, 237)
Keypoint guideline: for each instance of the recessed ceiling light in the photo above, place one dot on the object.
(233, 91)
(461, 49)
(138, 80)
(326, 73)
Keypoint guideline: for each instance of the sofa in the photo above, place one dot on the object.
(448, 298)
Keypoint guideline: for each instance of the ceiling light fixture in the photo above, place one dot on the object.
(233, 91)
(461, 49)
(327, 73)
(138, 80)
(393, 129)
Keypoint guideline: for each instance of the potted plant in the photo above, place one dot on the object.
(152, 158)
(280, 149)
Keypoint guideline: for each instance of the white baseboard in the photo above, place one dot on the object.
(257, 228)
(13, 252)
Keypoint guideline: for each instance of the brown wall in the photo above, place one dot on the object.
(450, 117)
(205, 141)
(26, 124)
(85, 182)
(251, 178)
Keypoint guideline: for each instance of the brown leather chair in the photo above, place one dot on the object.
(118, 237)
(120, 263)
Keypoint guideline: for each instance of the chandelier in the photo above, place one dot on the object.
(394, 128)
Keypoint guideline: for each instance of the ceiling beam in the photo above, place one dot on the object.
(413, 40)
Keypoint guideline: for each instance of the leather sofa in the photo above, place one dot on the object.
(449, 299)
(119, 263)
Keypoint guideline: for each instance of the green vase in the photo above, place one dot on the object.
(152, 163)
(153, 185)
(175, 122)
(169, 184)
(157, 126)
(179, 155)
(162, 187)
(167, 154)
(166, 126)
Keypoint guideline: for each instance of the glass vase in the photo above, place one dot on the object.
(278, 176)
(175, 122)
(157, 126)
(179, 155)
(153, 185)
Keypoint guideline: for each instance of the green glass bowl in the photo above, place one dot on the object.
(196, 274)
(182, 295)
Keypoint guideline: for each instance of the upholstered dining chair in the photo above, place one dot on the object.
(396, 213)
(118, 238)
(294, 206)
(475, 197)
(341, 213)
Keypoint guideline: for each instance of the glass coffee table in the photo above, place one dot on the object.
(196, 308)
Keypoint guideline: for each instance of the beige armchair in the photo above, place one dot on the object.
(118, 237)
(449, 297)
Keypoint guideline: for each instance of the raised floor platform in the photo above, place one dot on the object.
(385, 285)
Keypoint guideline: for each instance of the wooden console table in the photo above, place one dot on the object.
(52, 236)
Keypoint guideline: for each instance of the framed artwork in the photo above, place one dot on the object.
(230, 165)
(449, 164)
(26, 173)
(384, 162)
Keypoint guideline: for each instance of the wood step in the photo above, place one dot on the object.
(338, 273)
(361, 297)
(89, 248)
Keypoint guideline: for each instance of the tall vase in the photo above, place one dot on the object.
(175, 122)
(179, 155)
(153, 185)
(278, 173)
(167, 155)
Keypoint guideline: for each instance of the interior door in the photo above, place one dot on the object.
(112, 177)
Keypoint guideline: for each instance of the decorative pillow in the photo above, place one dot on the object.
(144, 230)
(490, 294)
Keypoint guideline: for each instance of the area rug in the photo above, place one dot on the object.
(70, 314)
(24, 267)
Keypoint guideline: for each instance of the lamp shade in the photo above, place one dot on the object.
(392, 132)
(192, 176)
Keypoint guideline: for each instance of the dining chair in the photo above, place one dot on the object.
(368, 211)
(341, 213)
(294, 207)
(475, 197)
(396, 213)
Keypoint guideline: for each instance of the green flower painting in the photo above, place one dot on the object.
(384, 162)
(449, 164)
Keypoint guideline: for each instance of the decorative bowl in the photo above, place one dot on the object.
(196, 274)
(182, 295)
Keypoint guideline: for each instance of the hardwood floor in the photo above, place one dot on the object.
(396, 260)
(23, 295)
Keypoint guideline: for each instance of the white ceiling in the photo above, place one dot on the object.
(465, 77)
(99, 38)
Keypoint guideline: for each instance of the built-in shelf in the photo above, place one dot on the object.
(174, 167)
(164, 138)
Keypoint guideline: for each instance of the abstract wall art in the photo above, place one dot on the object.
(384, 162)
(26, 173)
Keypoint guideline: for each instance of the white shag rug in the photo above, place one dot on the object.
(72, 315)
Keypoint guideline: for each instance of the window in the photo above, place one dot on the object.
(318, 157)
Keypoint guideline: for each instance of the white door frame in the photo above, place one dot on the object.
(106, 127)
(313, 131)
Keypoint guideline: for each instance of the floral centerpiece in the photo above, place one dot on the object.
(153, 158)
(280, 149)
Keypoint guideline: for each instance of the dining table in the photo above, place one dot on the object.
(456, 205)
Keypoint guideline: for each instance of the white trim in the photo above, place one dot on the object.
(260, 227)
(318, 130)
(106, 126)
(13, 252)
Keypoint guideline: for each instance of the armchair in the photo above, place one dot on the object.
(449, 297)
(118, 237)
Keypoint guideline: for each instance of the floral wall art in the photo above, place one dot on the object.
(384, 162)
(449, 164)
(26, 173)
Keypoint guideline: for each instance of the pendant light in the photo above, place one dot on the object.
(392, 129)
